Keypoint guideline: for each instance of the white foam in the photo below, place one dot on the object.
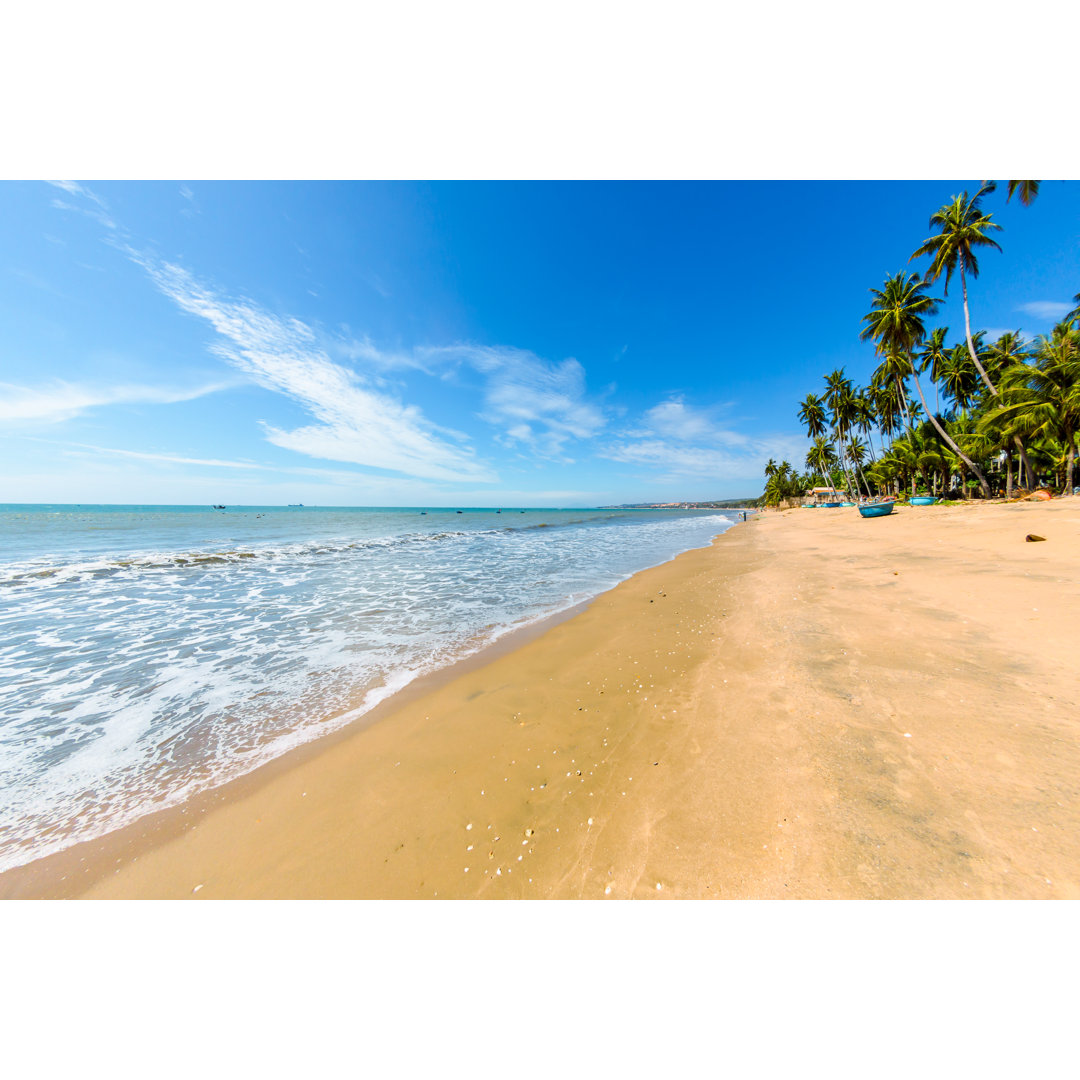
(131, 687)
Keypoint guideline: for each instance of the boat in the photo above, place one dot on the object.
(296, 504)
(878, 509)
(923, 500)
(830, 505)
(216, 507)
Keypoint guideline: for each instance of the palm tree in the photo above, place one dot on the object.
(783, 484)
(821, 457)
(892, 371)
(934, 354)
(886, 397)
(1074, 315)
(1009, 349)
(812, 416)
(1027, 189)
(856, 452)
(895, 324)
(963, 227)
(1044, 397)
(959, 380)
(839, 397)
(1006, 352)
(864, 417)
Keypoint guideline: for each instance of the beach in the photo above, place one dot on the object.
(815, 706)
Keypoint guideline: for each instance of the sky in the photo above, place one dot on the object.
(459, 343)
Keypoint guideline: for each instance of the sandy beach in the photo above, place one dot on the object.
(816, 706)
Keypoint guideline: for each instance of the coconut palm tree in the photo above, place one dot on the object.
(963, 227)
(959, 379)
(821, 458)
(856, 453)
(934, 354)
(812, 416)
(1027, 189)
(1006, 352)
(1044, 397)
(839, 397)
(892, 371)
(1073, 318)
(783, 484)
(1009, 349)
(895, 324)
(886, 398)
(864, 418)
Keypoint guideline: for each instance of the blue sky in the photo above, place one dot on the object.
(457, 343)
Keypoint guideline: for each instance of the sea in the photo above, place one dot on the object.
(148, 653)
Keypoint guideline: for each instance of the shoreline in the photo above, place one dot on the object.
(57, 875)
(815, 706)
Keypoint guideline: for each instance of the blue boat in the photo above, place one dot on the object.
(876, 509)
(923, 500)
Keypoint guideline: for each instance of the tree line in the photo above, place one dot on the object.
(1005, 415)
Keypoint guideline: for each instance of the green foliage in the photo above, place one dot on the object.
(962, 227)
(783, 484)
(1007, 401)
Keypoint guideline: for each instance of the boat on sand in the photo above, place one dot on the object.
(878, 509)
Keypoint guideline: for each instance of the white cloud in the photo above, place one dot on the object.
(99, 212)
(1051, 310)
(187, 193)
(353, 423)
(174, 459)
(73, 188)
(679, 461)
(685, 442)
(62, 400)
(537, 403)
(674, 419)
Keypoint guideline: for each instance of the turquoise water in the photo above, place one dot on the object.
(148, 652)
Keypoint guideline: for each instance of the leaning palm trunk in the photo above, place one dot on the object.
(1029, 472)
(967, 328)
(952, 445)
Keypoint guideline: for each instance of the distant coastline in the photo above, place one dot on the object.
(716, 504)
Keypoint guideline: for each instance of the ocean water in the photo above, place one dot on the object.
(149, 652)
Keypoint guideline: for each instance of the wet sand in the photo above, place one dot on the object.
(816, 706)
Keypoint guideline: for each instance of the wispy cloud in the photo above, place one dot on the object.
(674, 420)
(174, 459)
(538, 404)
(680, 441)
(99, 211)
(1046, 309)
(74, 188)
(187, 193)
(676, 461)
(60, 400)
(353, 422)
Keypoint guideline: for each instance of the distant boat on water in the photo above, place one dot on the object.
(296, 504)
(216, 507)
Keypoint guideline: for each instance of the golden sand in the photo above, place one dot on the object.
(818, 705)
